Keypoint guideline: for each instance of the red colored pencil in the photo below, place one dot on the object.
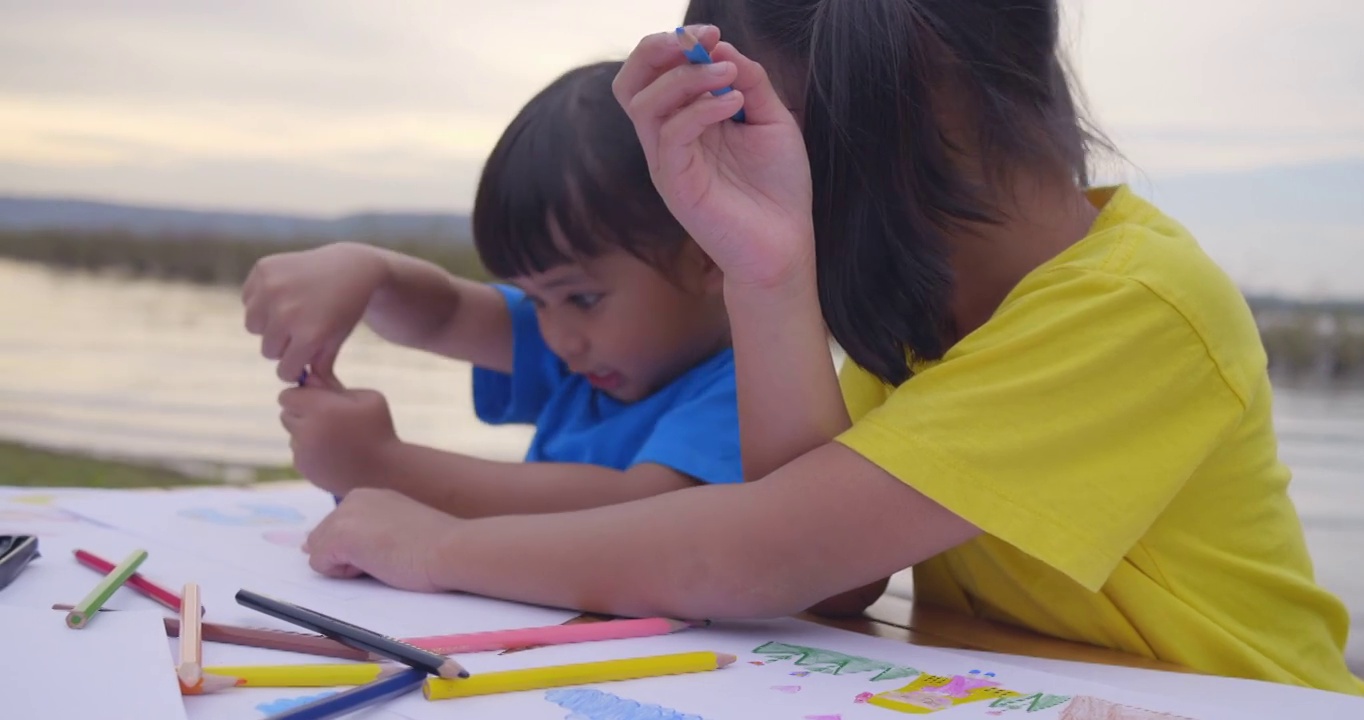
(136, 582)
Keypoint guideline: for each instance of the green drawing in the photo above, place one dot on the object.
(1031, 703)
(833, 663)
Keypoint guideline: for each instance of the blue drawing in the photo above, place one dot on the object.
(256, 514)
(276, 707)
(590, 704)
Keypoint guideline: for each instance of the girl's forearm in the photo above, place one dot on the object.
(755, 550)
(679, 555)
(789, 399)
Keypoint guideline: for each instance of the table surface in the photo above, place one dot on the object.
(897, 618)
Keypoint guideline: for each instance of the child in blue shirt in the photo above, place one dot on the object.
(609, 333)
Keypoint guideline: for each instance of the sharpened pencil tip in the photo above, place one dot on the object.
(452, 669)
(724, 660)
(688, 40)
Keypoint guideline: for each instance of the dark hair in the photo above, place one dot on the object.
(728, 15)
(890, 183)
(570, 159)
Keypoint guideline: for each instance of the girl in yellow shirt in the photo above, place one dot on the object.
(1056, 407)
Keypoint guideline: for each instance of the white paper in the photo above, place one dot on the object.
(786, 669)
(115, 668)
(1246, 697)
(259, 533)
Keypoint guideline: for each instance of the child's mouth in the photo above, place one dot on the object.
(605, 381)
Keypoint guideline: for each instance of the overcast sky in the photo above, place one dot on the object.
(334, 106)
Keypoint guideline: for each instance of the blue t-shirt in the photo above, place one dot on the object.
(690, 425)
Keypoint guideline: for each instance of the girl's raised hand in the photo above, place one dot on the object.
(742, 190)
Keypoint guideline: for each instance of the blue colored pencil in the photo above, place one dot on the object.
(356, 698)
(697, 55)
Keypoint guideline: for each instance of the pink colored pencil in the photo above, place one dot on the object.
(137, 582)
(550, 635)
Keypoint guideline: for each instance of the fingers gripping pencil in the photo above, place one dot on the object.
(696, 53)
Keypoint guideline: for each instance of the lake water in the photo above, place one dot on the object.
(166, 371)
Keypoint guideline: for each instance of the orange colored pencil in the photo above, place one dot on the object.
(211, 684)
(191, 667)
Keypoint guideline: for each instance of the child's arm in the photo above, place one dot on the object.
(471, 487)
(829, 520)
(345, 439)
(422, 306)
(305, 304)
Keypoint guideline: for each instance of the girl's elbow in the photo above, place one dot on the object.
(738, 590)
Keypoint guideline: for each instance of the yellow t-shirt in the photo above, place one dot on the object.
(1109, 431)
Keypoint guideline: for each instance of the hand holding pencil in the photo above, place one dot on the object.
(741, 190)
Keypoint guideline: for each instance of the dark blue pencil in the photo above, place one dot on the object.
(697, 55)
(353, 635)
(356, 698)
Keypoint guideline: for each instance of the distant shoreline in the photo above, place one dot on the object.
(32, 466)
(1307, 341)
(204, 259)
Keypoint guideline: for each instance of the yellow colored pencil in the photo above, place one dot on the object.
(191, 668)
(306, 675)
(489, 683)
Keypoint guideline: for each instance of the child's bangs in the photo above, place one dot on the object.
(553, 205)
(568, 181)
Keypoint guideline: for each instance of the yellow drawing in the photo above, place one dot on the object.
(931, 693)
(34, 499)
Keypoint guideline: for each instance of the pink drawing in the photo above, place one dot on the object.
(756, 662)
(862, 698)
(788, 689)
(961, 686)
(1084, 707)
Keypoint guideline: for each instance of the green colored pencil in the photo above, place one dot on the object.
(89, 607)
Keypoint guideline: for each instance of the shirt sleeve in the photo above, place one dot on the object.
(862, 391)
(501, 398)
(1064, 426)
(699, 437)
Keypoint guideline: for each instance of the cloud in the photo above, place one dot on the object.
(97, 97)
(1222, 66)
(353, 183)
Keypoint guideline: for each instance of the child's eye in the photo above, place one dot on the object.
(584, 301)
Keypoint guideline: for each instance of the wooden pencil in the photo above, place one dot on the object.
(273, 640)
(579, 619)
(352, 700)
(353, 635)
(210, 684)
(265, 638)
(542, 678)
(306, 675)
(191, 667)
(89, 606)
(548, 635)
(136, 581)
